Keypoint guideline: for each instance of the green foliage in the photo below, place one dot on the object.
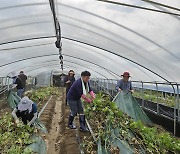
(152, 96)
(14, 137)
(42, 94)
(104, 116)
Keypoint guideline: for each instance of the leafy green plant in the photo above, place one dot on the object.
(14, 137)
(157, 141)
(104, 116)
(42, 94)
(152, 96)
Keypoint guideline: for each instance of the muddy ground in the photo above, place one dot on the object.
(60, 139)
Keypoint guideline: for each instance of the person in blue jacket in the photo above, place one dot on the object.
(78, 90)
(124, 84)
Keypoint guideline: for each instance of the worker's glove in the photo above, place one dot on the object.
(92, 94)
(86, 98)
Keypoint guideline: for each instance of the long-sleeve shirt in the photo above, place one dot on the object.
(123, 85)
(26, 116)
(23, 78)
(76, 90)
(18, 82)
(68, 85)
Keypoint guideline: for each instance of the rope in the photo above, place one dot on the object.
(58, 42)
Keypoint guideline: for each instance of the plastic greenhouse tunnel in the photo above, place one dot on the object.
(90, 77)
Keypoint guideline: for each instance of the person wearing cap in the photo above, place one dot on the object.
(26, 110)
(124, 84)
(19, 85)
(69, 80)
(23, 78)
(80, 89)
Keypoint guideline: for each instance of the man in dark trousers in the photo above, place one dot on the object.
(80, 89)
(23, 78)
(19, 85)
(69, 80)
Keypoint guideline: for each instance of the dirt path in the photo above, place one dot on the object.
(55, 128)
(60, 139)
(67, 141)
(47, 115)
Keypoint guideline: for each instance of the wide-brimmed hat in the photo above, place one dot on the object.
(126, 74)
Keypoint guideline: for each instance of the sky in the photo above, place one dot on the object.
(146, 38)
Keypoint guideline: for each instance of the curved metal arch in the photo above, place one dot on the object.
(28, 46)
(28, 39)
(22, 5)
(24, 59)
(139, 68)
(71, 66)
(91, 46)
(98, 16)
(96, 34)
(104, 30)
(25, 17)
(117, 55)
(86, 30)
(122, 26)
(76, 63)
(25, 24)
(106, 38)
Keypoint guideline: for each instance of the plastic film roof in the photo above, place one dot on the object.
(104, 38)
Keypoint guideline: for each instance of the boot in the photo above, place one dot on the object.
(70, 123)
(82, 123)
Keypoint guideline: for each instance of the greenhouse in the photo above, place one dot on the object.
(90, 77)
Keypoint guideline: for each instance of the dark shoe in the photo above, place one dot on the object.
(70, 122)
(82, 122)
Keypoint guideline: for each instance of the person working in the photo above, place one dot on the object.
(23, 78)
(69, 80)
(19, 85)
(124, 84)
(78, 90)
(26, 110)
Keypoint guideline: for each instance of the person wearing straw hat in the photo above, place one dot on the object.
(80, 89)
(124, 84)
(26, 110)
(69, 80)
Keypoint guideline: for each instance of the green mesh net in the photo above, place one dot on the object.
(128, 104)
(39, 146)
(13, 99)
